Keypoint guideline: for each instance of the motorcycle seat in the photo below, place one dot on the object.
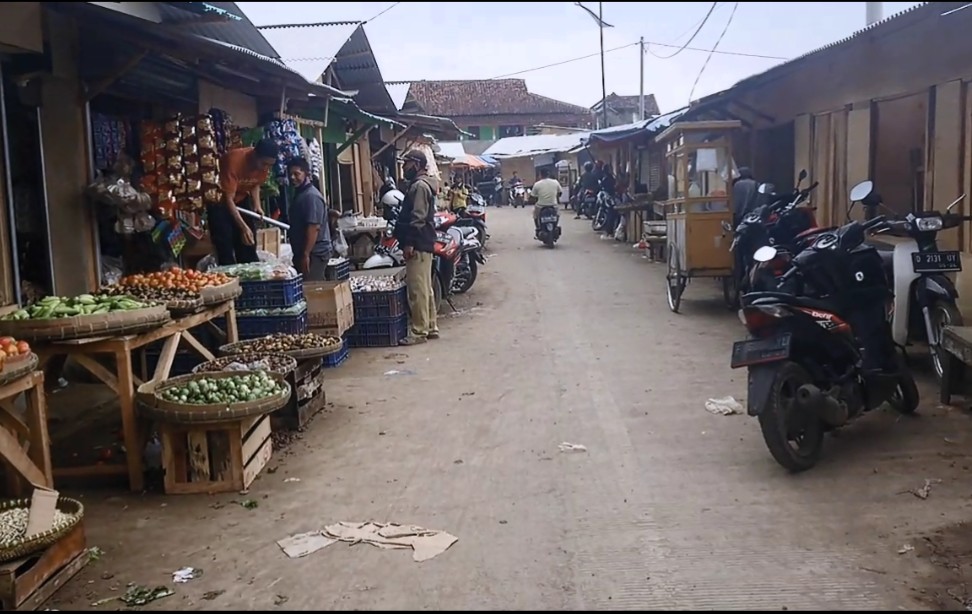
(772, 298)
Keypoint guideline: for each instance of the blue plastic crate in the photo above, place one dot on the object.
(378, 333)
(270, 294)
(251, 327)
(338, 272)
(373, 306)
(336, 360)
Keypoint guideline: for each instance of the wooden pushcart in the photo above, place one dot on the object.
(700, 167)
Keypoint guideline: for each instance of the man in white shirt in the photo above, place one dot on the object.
(545, 193)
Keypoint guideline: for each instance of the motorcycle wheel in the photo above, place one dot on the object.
(730, 291)
(905, 399)
(942, 314)
(549, 240)
(600, 220)
(437, 291)
(783, 424)
(470, 279)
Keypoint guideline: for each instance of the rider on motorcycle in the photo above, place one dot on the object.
(545, 193)
(588, 181)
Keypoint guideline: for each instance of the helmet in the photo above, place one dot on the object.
(588, 166)
(392, 198)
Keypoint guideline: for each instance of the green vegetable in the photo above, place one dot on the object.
(51, 307)
(247, 386)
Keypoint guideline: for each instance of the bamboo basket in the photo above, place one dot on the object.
(40, 541)
(157, 408)
(16, 369)
(82, 327)
(242, 347)
(215, 295)
(216, 366)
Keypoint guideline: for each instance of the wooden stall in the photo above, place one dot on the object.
(699, 201)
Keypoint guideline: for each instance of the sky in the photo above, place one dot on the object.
(537, 41)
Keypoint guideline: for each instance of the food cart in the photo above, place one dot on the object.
(699, 202)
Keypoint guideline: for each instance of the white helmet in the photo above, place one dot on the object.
(392, 198)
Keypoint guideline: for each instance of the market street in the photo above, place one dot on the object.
(669, 507)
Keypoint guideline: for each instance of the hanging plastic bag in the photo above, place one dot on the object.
(341, 244)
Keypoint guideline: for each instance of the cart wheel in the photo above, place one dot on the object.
(730, 291)
(676, 283)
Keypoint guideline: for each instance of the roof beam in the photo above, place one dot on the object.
(90, 92)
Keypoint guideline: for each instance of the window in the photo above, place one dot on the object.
(474, 131)
(505, 131)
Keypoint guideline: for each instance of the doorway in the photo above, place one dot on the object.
(899, 154)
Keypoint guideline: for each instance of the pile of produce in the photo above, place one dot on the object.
(13, 525)
(243, 388)
(279, 344)
(173, 279)
(275, 363)
(294, 310)
(52, 307)
(11, 349)
(162, 295)
(377, 283)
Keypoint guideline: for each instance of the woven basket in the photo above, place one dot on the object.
(83, 327)
(242, 347)
(184, 307)
(215, 366)
(40, 541)
(16, 369)
(215, 295)
(155, 407)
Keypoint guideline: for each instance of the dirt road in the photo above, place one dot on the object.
(670, 507)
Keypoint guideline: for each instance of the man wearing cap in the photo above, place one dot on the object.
(415, 231)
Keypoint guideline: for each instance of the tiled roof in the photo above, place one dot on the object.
(479, 97)
(631, 103)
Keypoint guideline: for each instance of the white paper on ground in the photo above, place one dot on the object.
(302, 544)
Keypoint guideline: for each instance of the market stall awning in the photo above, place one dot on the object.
(471, 162)
(347, 107)
(648, 127)
(450, 149)
(528, 146)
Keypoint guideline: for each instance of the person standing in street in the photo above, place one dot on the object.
(415, 231)
(242, 172)
(310, 230)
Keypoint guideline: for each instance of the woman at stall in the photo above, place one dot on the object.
(242, 172)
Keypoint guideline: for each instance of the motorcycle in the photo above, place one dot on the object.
(470, 252)
(548, 226)
(606, 217)
(518, 195)
(924, 298)
(474, 214)
(588, 204)
(809, 371)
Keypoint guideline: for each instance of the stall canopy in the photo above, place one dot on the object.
(451, 149)
(471, 162)
(626, 131)
(521, 146)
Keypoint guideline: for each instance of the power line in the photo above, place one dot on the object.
(583, 57)
(394, 4)
(694, 34)
(714, 47)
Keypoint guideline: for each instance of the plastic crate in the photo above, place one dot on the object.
(251, 327)
(371, 306)
(378, 333)
(338, 272)
(270, 294)
(336, 360)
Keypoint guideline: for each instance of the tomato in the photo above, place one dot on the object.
(23, 347)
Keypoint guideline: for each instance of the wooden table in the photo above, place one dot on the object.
(25, 446)
(123, 381)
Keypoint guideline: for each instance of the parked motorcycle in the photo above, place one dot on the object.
(474, 214)
(518, 195)
(588, 204)
(810, 369)
(924, 298)
(606, 216)
(470, 252)
(548, 226)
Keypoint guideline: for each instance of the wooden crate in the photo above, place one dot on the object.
(25, 584)
(214, 458)
(268, 240)
(307, 382)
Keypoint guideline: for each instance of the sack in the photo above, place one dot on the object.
(341, 244)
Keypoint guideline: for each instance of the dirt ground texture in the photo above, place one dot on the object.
(670, 507)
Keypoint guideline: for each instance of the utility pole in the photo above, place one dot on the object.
(600, 18)
(641, 89)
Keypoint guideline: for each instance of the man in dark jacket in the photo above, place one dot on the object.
(310, 232)
(744, 195)
(415, 231)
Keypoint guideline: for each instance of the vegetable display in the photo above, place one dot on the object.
(147, 293)
(291, 343)
(13, 524)
(53, 307)
(175, 278)
(250, 386)
(11, 349)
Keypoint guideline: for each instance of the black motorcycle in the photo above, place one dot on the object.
(548, 226)
(606, 217)
(587, 201)
(822, 353)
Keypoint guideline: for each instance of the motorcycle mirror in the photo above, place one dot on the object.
(861, 191)
(802, 176)
(764, 188)
(955, 202)
(765, 254)
(726, 226)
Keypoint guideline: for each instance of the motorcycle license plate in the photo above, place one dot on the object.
(761, 351)
(548, 219)
(936, 262)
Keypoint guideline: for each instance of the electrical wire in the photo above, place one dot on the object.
(394, 4)
(578, 59)
(691, 38)
(714, 48)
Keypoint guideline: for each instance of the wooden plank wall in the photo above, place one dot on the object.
(946, 172)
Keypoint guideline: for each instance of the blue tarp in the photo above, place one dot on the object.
(648, 126)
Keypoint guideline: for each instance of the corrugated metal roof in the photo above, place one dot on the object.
(241, 33)
(870, 28)
(451, 149)
(371, 116)
(519, 146)
(310, 48)
(398, 93)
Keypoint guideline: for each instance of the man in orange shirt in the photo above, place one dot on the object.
(241, 173)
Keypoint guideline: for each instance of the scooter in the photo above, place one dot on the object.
(606, 218)
(924, 298)
(518, 196)
(548, 226)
